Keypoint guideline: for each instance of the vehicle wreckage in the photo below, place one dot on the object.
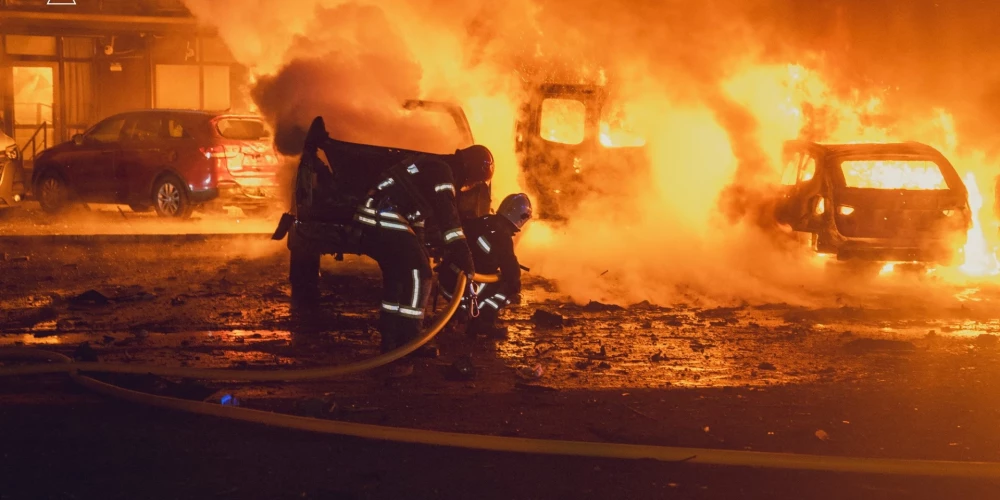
(327, 192)
(571, 144)
(874, 201)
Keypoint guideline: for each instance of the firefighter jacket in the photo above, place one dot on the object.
(491, 239)
(411, 193)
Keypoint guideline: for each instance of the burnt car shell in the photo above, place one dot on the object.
(560, 175)
(876, 224)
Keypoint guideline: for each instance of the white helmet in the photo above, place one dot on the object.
(516, 208)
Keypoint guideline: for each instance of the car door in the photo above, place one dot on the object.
(801, 204)
(142, 157)
(90, 164)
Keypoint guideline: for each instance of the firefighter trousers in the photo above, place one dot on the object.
(406, 275)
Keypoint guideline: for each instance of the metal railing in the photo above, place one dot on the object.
(33, 141)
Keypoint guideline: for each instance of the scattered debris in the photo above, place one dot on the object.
(531, 373)
(604, 365)
(534, 387)
(987, 339)
(822, 435)
(84, 352)
(229, 400)
(316, 407)
(545, 319)
(179, 300)
(766, 366)
(90, 298)
(594, 306)
(462, 369)
(659, 357)
(602, 354)
(428, 351)
(865, 345)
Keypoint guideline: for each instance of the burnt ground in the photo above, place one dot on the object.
(907, 369)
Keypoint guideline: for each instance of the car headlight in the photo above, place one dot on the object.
(846, 210)
(12, 152)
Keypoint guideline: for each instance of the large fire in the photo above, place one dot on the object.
(887, 174)
(711, 110)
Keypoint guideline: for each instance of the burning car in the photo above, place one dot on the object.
(572, 141)
(875, 202)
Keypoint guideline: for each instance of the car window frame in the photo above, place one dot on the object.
(89, 135)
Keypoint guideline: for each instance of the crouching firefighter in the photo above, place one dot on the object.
(421, 189)
(492, 241)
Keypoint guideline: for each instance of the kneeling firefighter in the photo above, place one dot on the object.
(492, 242)
(420, 189)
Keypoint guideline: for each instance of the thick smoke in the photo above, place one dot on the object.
(698, 225)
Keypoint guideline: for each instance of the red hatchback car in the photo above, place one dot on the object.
(167, 160)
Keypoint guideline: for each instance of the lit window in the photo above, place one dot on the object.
(563, 121)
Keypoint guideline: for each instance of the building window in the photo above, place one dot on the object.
(178, 86)
(31, 45)
(190, 86)
(216, 88)
(78, 48)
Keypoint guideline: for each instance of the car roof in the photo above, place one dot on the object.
(866, 148)
(205, 113)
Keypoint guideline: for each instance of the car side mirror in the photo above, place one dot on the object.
(78, 139)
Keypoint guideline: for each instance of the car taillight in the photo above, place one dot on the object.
(224, 156)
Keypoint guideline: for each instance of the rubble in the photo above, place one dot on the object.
(545, 319)
(90, 298)
(865, 345)
(594, 306)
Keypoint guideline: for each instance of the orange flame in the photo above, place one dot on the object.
(979, 259)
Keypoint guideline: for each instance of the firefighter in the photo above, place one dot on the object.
(492, 241)
(407, 195)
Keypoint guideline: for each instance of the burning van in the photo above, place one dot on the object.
(876, 202)
(573, 141)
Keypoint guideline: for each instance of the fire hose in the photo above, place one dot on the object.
(706, 456)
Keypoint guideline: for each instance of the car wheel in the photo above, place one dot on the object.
(303, 274)
(140, 208)
(53, 193)
(170, 198)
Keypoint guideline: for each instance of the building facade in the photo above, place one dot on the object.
(64, 67)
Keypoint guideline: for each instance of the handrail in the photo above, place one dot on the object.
(43, 127)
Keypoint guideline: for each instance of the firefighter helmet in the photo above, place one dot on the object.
(516, 208)
(477, 165)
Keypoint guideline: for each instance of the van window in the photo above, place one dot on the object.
(563, 121)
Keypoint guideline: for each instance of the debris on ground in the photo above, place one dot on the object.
(84, 352)
(865, 345)
(766, 366)
(594, 306)
(90, 298)
(659, 357)
(545, 319)
(531, 373)
(822, 435)
(315, 407)
(462, 369)
(987, 339)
